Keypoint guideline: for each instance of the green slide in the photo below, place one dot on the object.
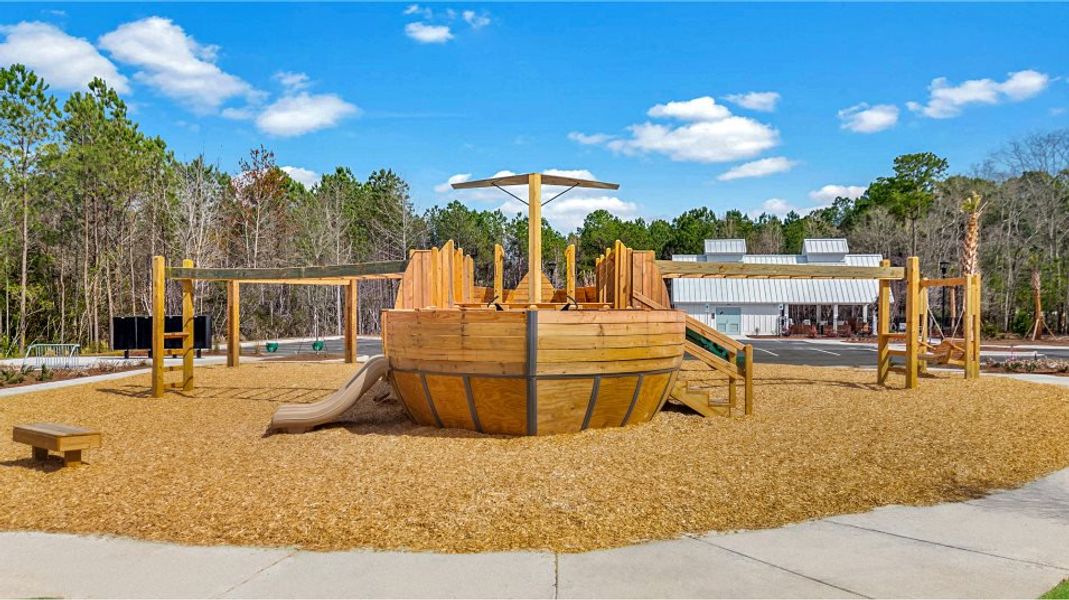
(706, 344)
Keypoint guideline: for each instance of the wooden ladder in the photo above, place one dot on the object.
(159, 332)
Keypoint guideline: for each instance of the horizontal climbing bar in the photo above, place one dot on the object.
(321, 275)
(944, 282)
(671, 269)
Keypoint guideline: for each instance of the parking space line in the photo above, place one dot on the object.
(825, 351)
(765, 351)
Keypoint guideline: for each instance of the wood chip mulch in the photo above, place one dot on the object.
(198, 468)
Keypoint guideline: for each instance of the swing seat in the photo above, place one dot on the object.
(947, 352)
(317, 346)
(272, 346)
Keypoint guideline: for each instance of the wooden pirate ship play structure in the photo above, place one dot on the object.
(536, 360)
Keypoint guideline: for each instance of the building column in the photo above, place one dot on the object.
(835, 318)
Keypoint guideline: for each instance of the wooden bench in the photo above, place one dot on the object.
(57, 438)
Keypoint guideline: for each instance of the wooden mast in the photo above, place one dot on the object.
(534, 237)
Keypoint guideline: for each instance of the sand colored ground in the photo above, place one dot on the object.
(199, 469)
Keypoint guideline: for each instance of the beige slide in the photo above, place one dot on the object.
(298, 418)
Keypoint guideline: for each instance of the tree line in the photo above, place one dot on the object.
(87, 198)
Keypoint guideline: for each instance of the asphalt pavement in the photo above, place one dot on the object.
(797, 351)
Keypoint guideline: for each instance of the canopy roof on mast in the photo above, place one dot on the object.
(524, 178)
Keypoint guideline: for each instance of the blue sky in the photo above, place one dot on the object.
(721, 105)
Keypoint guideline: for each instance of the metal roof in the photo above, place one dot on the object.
(775, 291)
(824, 246)
(781, 291)
(725, 246)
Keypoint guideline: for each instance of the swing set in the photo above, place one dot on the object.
(920, 352)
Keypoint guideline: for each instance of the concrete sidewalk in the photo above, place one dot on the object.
(1009, 544)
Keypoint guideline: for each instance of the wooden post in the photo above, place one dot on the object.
(883, 328)
(233, 323)
(617, 275)
(569, 275)
(436, 278)
(747, 389)
(187, 328)
(599, 287)
(971, 326)
(469, 279)
(445, 272)
(158, 289)
(458, 275)
(925, 338)
(352, 319)
(499, 273)
(913, 306)
(534, 238)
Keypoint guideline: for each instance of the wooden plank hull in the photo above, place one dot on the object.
(532, 372)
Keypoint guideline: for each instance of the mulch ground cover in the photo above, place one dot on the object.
(198, 467)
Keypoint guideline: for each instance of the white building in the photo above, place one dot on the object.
(768, 306)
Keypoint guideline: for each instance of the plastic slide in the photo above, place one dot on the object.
(298, 418)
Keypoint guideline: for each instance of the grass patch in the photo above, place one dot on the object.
(1058, 592)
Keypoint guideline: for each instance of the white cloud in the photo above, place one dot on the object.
(415, 9)
(780, 207)
(303, 113)
(305, 177)
(775, 206)
(292, 81)
(830, 192)
(698, 109)
(862, 118)
(428, 34)
(476, 20)
(710, 134)
(443, 188)
(175, 64)
(762, 101)
(946, 100)
(591, 139)
(759, 168)
(244, 113)
(64, 61)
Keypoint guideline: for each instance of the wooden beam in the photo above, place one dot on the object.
(233, 323)
(352, 300)
(458, 275)
(569, 274)
(747, 382)
(671, 269)
(187, 328)
(331, 281)
(158, 283)
(391, 267)
(945, 282)
(446, 256)
(883, 328)
(436, 278)
(534, 237)
(499, 273)
(971, 326)
(913, 315)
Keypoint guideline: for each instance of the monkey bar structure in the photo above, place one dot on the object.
(347, 276)
(919, 351)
